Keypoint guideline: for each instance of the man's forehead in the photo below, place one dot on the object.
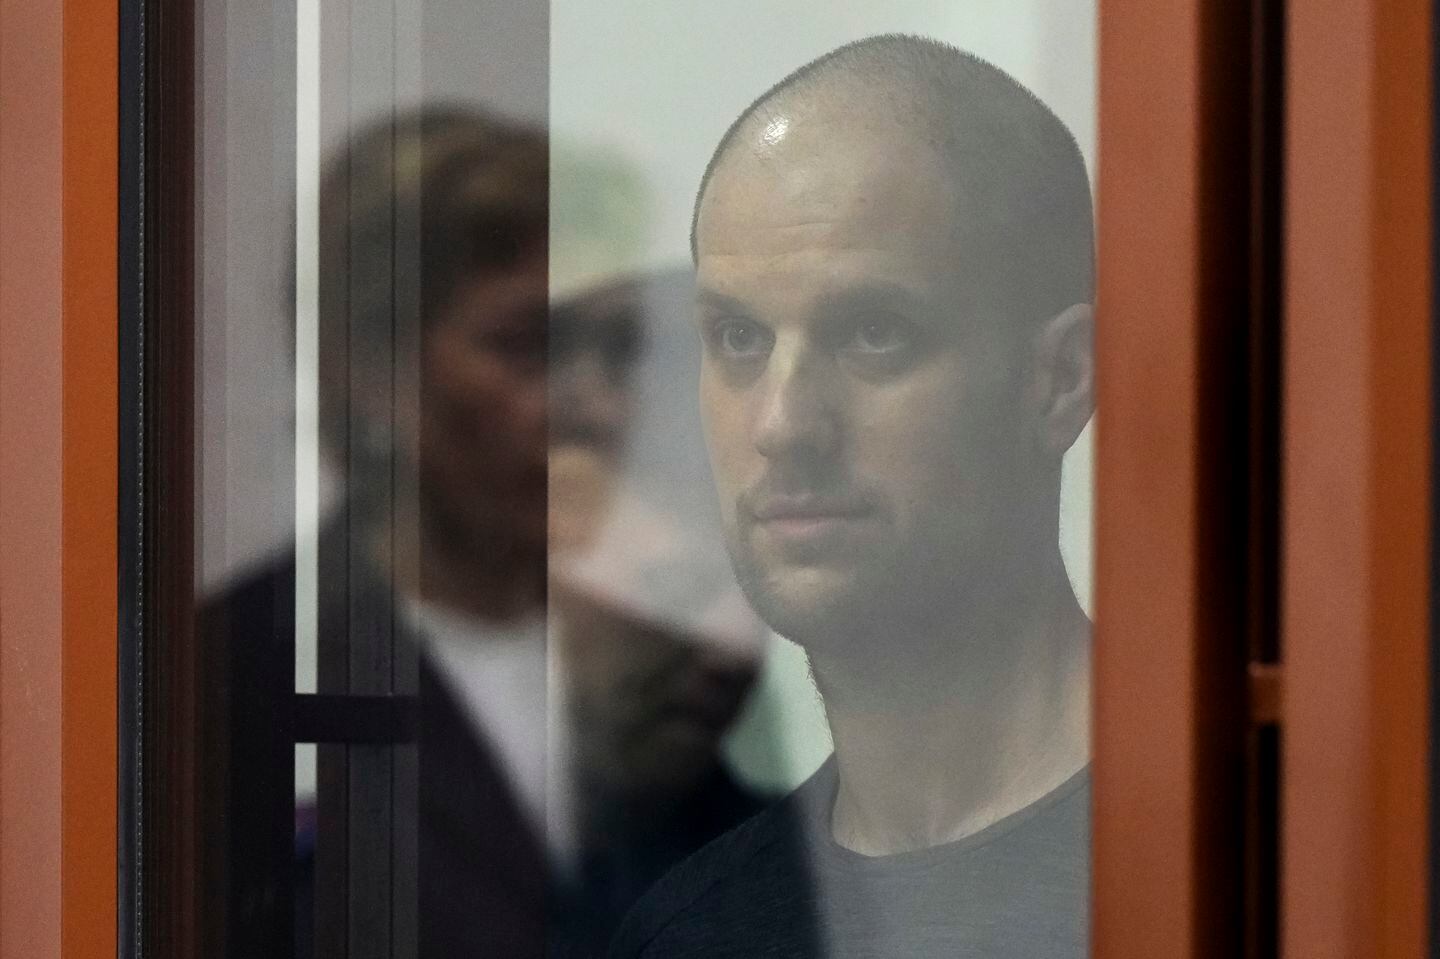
(812, 182)
(776, 295)
(827, 213)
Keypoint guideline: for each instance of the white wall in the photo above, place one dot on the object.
(658, 81)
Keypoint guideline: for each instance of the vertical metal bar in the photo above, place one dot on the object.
(281, 748)
(256, 675)
(130, 579)
(404, 664)
(183, 736)
(307, 334)
(371, 637)
(332, 894)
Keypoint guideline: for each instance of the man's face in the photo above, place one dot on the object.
(863, 415)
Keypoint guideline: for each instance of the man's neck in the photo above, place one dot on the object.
(922, 763)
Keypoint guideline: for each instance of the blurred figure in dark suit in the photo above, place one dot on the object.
(567, 752)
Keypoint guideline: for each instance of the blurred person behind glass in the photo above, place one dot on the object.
(433, 300)
(433, 271)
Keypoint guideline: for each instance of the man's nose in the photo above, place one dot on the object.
(797, 414)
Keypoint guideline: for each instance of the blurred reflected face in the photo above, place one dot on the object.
(594, 344)
(483, 412)
(863, 418)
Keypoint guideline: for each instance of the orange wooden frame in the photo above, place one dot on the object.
(1357, 481)
(58, 448)
(1356, 484)
(1357, 495)
(1169, 641)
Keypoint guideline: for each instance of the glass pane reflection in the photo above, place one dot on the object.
(571, 450)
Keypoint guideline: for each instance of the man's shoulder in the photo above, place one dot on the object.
(733, 890)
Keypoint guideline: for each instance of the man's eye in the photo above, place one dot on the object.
(741, 340)
(881, 336)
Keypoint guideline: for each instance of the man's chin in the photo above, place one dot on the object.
(808, 606)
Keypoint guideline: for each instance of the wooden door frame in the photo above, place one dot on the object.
(1173, 562)
(1358, 453)
(1350, 688)
(1357, 486)
(58, 516)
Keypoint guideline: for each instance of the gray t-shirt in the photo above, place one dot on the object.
(779, 885)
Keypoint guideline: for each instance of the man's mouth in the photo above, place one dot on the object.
(785, 508)
(809, 519)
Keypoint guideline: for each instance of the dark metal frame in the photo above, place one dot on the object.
(194, 869)
(130, 431)
(160, 688)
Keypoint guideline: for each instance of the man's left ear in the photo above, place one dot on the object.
(1064, 381)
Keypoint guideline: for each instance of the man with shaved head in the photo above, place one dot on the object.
(894, 254)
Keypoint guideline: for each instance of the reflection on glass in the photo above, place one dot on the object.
(601, 483)
(434, 224)
(563, 761)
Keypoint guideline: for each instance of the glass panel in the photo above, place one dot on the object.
(515, 463)
(891, 356)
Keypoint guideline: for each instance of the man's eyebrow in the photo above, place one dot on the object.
(721, 302)
(874, 295)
